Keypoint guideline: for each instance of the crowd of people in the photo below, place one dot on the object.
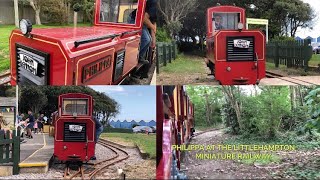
(32, 124)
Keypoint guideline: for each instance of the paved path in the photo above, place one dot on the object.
(32, 145)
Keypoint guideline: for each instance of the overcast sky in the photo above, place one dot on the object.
(303, 33)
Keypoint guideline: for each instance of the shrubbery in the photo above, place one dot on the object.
(163, 36)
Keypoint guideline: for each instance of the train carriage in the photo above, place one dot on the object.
(175, 124)
(104, 54)
(235, 55)
(74, 129)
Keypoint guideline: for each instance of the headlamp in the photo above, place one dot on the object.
(25, 26)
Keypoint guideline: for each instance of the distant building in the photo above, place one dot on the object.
(313, 40)
(128, 125)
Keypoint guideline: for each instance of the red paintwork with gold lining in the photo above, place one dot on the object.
(242, 72)
(67, 63)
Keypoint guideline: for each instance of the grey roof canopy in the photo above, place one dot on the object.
(8, 102)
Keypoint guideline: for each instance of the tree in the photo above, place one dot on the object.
(103, 103)
(16, 12)
(36, 6)
(313, 104)
(32, 98)
(293, 14)
(230, 92)
(174, 11)
(207, 100)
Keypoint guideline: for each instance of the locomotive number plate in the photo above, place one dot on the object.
(241, 43)
(28, 61)
(75, 128)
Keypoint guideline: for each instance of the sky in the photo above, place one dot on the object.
(136, 102)
(303, 33)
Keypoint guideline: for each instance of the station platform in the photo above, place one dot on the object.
(36, 154)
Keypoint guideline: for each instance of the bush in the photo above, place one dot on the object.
(163, 35)
(283, 38)
(55, 12)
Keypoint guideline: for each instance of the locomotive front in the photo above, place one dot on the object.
(235, 56)
(75, 129)
(103, 54)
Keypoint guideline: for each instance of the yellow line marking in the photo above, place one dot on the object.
(23, 164)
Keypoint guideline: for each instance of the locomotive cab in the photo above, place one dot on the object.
(235, 55)
(103, 54)
(74, 129)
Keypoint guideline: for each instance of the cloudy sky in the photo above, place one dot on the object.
(137, 102)
(315, 4)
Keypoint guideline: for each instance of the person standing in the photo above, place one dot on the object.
(30, 120)
(149, 22)
(99, 130)
(40, 123)
(148, 37)
(35, 126)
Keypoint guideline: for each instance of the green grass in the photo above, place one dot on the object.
(271, 66)
(117, 130)
(204, 127)
(315, 60)
(310, 170)
(5, 31)
(184, 64)
(145, 142)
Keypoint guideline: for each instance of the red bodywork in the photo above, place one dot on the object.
(91, 63)
(174, 127)
(78, 146)
(234, 72)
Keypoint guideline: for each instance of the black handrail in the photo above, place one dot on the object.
(78, 43)
(130, 32)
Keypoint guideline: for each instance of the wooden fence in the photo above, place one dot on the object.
(295, 54)
(10, 149)
(166, 53)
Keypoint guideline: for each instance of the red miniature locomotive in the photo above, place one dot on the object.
(100, 55)
(175, 125)
(74, 129)
(235, 56)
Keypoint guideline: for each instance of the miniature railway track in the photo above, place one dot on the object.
(5, 79)
(95, 168)
(288, 79)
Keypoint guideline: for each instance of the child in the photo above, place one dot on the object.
(35, 126)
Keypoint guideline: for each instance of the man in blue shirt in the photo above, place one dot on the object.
(99, 130)
(30, 120)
